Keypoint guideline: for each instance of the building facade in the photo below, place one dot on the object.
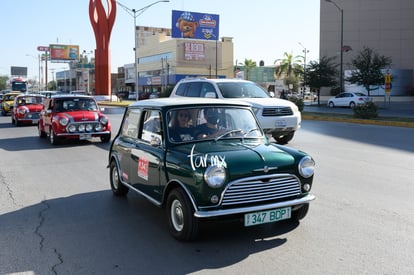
(163, 60)
(384, 26)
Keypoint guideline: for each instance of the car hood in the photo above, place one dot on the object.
(239, 158)
(266, 102)
(33, 108)
(80, 116)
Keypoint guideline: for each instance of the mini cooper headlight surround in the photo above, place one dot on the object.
(63, 121)
(103, 120)
(215, 176)
(306, 167)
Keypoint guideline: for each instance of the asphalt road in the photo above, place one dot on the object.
(58, 216)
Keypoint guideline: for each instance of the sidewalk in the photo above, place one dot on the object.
(398, 107)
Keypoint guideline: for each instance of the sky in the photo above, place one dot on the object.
(262, 30)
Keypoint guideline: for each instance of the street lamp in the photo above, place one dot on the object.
(135, 13)
(305, 51)
(87, 68)
(341, 76)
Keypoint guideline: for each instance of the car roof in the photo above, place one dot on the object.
(70, 96)
(171, 102)
(216, 80)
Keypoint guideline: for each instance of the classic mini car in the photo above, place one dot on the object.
(207, 159)
(7, 103)
(26, 109)
(279, 118)
(73, 117)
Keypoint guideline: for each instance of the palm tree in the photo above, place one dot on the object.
(248, 64)
(289, 65)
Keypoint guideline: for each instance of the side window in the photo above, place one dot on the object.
(194, 89)
(152, 127)
(207, 90)
(181, 89)
(130, 123)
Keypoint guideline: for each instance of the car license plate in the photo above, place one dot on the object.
(268, 216)
(85, 136)
(281, 123)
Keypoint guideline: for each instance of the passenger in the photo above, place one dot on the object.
(180, 129)
(209, 128)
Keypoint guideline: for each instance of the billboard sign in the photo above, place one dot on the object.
(195, 25)
(18, 71)
(64, 52)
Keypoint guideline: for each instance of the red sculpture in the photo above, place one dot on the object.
(102, 24)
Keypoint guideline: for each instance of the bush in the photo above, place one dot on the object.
(367, 110)
(298, 101)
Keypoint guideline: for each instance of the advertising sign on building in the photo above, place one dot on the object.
(64, 52)
(194, 51)
(195, 25)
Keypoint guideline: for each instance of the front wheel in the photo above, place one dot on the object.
(40, 132)
(105, 138)
(182, 223)
(53, 139)
(284, 139)
(300, 213)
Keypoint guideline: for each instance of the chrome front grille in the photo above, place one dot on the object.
(260, 189)
(277, 111)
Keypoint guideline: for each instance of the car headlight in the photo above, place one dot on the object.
(215, 176)
(306, 167)
(72, 128)
(98, 127)
(256, 110)
(89, 127)
(81, 128)
(103, 120)
(22, 111)
(63, 121)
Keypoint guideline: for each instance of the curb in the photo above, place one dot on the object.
(360, 121)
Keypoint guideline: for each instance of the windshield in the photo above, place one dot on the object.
(75, 104)
(26, 100)
(241, 89)
(19, 86)
(211, 123)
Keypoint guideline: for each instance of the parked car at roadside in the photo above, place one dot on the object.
(348, 99)
(279, 118)
(75, 117)
(26, 109)
(207, 159)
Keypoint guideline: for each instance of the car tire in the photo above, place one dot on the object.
(53, 139)
(300, 213)
(117, 187)
(352, 105)
(40, 132)
(105, 138)
(180, 213)
(331, 104)
(284, 139)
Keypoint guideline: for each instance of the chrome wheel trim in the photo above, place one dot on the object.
(177, 215)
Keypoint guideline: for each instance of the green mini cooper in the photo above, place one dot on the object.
(204, 159)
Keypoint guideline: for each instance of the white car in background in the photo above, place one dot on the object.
(348, 99)
(278, 117)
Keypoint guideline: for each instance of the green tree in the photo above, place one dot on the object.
(321, 74)
(248, 64)
(3, 82)
(289, 65)
(368, 64)
(52, 85)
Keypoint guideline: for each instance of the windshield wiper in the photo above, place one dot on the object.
(228, 133)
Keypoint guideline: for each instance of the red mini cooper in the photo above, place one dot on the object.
(73, 117)
(26, 109)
